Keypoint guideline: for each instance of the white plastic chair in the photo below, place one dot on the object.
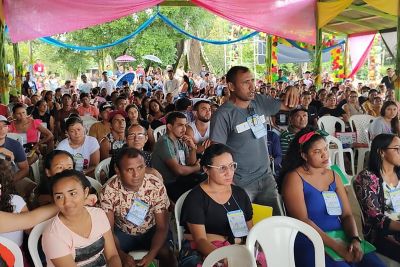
(88, 121)
(328, 123)
(33, 240)
(177, 212)
(15, 136)
(237, 256)
(14, 249)
(276, 236)
(336, 154)
(104, 166)
(36, 171)
(95, 184)
(159, 131)
(360, 125)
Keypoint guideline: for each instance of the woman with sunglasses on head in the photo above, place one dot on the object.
(376, 189)
(208, 206)
(315, 195)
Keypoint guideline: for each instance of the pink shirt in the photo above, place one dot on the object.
(32, 133)
(91, 111)
(59, 241)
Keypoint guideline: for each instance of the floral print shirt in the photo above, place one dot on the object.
(370, 194)
(116, 198)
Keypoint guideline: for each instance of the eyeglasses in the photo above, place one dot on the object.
(137, 136)
(224, 168)
(395, 148)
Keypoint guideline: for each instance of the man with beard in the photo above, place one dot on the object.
(240, 123)
(199, 130)
(174, 156)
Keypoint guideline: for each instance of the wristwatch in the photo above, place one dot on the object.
(356, 237)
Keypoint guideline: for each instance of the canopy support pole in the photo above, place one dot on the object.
(397, 81)
(318, 59)
(4, 93)
(18, 69)
(268, 59)
(346, 58)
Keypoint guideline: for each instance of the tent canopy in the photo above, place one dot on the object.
(359, 16)
(292, 19)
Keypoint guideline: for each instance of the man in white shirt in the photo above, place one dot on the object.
(85, 87)
(171, 85)
(307, 79)
(107, 83)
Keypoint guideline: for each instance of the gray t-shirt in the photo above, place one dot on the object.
(250, 153)
(165, 149)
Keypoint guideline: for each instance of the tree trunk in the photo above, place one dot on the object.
(18, 69)
(3, 70)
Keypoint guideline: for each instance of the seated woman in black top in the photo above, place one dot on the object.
(330, 108)
(207, 207)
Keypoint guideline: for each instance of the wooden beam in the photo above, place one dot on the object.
(354, 21)
(372, 11)
(177, 3)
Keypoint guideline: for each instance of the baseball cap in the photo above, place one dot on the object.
(170, 68)
(4, 119)
(105, 106)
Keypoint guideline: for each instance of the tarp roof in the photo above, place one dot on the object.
(360, 17)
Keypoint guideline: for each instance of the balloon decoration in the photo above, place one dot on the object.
(274, 62)
(337, 63)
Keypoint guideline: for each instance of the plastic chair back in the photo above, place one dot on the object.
(237, 255)
(328, 123)
(104, 166)
(276, 236)
(177, 211)
(261, 212)
(339, 150)
(159, 131)
(95, 184)
(33, 241)
(14, 249)
(360, 125)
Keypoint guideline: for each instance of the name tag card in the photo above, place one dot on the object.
(395, 197)
(237, 223)
(137, 213)
(332, 203)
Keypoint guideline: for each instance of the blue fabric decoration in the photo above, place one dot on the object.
(215, 42)
(146, 24)
(58, 43)
(323, 50)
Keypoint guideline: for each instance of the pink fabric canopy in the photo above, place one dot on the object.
(359, 47)
(292, 19)
(31, 19)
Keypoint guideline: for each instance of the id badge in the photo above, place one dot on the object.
(182, 157)
(237, 223)
(137, 213)
(332, 203)
(395, 197)
(256, 126)
(79, 162)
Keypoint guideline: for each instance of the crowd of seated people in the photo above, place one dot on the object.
(147, 174)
